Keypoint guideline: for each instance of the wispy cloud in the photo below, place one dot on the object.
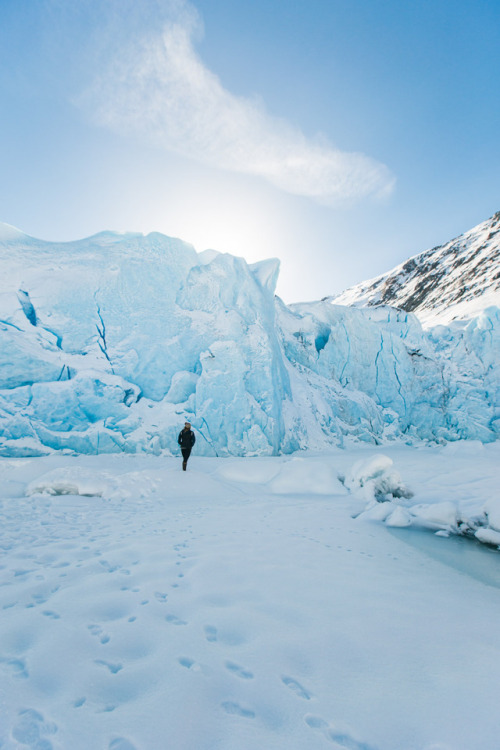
(156, 87)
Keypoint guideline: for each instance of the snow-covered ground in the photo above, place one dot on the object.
(247, 604)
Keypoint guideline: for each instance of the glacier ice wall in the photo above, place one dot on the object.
(108, 344)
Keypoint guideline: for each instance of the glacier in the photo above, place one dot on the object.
(109, 343)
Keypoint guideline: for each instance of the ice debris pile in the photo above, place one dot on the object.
(108, 344)
(379, 494)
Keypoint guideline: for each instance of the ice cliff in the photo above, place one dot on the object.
(108, 344)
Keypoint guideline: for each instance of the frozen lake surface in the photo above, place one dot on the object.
(463, 555)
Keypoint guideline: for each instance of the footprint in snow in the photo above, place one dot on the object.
(245, 674)
(31, 730)
(173, 620)
(211, 633)
(230, 707)
(99, 633)
(192, 665)
(108, 566)
(107, 709)
(18, 666)
(113, 668)
(316, 722)
(342, 739)
(39, 598)
(186, 662)
(120, 743)
(296, 687)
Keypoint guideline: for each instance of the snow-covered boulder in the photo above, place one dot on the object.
(376, 479)
(71, 481)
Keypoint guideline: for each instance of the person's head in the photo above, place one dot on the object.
(187, 425)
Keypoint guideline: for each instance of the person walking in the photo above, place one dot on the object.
(186, 440)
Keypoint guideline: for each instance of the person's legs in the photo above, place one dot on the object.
(185, 455)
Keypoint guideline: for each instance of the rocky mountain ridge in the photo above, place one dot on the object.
(455, 281)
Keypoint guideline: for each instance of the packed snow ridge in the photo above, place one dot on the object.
(455, 281)
(108, 344)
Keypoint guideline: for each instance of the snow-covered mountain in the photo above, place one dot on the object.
(455, 281)
(108, 344)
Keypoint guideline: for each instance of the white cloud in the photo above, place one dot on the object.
(156, 87)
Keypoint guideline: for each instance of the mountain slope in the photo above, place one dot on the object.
(455, 281)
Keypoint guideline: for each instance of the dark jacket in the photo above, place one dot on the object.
(186, 438)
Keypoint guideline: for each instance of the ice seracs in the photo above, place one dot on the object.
(110, 343)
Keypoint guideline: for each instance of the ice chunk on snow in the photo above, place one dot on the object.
(375, 478)
(400, 518)
(492, 510)
(437, 516)
(488, 536)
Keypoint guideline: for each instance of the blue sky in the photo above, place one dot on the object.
(341, 137)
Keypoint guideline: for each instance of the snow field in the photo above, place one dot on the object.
(215, 609)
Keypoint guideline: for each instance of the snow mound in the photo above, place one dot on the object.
(71, 481)
(442, 516)
(294, 476)
(375, 479)
(249, 471)
(300, 475)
